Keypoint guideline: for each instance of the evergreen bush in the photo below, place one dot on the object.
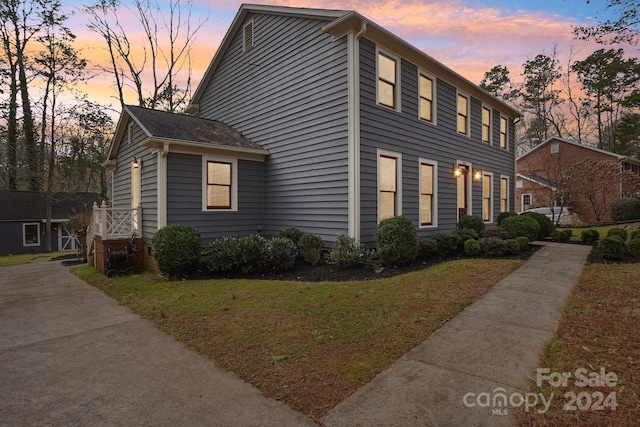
(618, 231)
(634, 247)
(511, 247)
(492, 246)
(465, 234)
(280, 254)
(397, 241)
(447, 242)
(496, 232)
(177, 249)
(472, 247)
(635, 234)
(625, 209)
(521, 225)
(347, 252)
(523, 243)
(474, 222)
(428, 247)
(291, 233)
(590, 236)
(612, 248)
(545, 224)
(310, 248)
(504, 215)
(564, 235)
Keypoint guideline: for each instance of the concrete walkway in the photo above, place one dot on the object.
(70, 355)
(492, 348)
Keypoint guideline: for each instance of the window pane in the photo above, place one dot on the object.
(425, 109)
(426, 87)
(219, 196)
(31, 234)
(427, 179)
(462, 124)
(219, 173)
(387, 174)
(426, 209)
(387, 68)
(387, 205)
(386, 94)
(486, 209)
(486, 189)
(486, 116)
(462, 105)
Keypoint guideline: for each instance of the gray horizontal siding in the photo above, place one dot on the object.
(289, 94)
(184, 198)
(402, 132)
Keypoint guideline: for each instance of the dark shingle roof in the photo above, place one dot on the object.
(32, 205)
(182, 127)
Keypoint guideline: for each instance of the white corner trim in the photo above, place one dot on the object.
(353, 163)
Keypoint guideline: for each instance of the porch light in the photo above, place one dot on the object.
(477, 174)
(137, 162)
(457, 171)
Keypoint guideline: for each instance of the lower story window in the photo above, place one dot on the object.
(219, 184)
(504, 194)
(526, 201)
(486, 197)
(388, 185)
(428, 192)
(31, 234)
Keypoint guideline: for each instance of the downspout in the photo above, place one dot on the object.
(162, 185)
(353, 96)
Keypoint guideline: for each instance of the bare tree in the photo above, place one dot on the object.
(168, 39)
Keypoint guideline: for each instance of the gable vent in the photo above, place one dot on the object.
(248, 36)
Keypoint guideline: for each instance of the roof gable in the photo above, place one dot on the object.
(573, 143)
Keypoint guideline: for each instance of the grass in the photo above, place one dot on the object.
(27, 258)
(600, 329)
(603, 230)
(309, 344)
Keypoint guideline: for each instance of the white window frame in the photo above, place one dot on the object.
(500, 194)
(506, 133)
(234, 182)
(24, 234)
(554, 147)
(130, 133)
(245, 46)
(433, 79)
(486, 107)
(398, 201)
(468, 130)
(491, 200)
(398, 90)
(136, 185)
(522, 204)
(434, 196)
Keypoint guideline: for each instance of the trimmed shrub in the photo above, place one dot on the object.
(523, 243)
(612, 248)
(428, 247)
(280, 253)
(176, 249)
(464, 234)
(545, 224)
(634, 247)
(496, 232)
(246, 253)
(565, 234)
(397, 241)
(474, 222)
(590, 236)
(618, 231)
(511, 247)
(521, 225)
(472, 247)
(635, 234)
(347, 252)
(504, 215)
(310, 248)
(625, 209)
(492, 246)
(447, 242)
(291, 233)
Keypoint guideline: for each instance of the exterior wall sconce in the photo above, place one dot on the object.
(457, 171)
(477, 175)
(137, 163)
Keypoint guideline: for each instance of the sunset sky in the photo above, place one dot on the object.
(469, 36)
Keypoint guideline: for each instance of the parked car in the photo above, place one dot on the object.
(562, 216)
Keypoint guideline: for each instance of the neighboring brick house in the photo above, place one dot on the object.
(541, 171)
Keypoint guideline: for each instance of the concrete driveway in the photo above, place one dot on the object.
(70, 355)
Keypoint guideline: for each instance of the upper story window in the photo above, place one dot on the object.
(555, 148)
(220, 189)
(503, 133)
(463, 114)
(388, 81)
(426, 88)
(247, 33)
(486, 125)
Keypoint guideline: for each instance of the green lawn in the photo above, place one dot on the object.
(603, 230)
(309, 344)
(27, 258)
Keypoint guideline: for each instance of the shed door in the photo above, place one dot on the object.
(67, 239)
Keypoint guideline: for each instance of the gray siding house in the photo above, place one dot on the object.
(323, 120)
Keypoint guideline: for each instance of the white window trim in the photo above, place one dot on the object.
(398, 157)
(466, 95)
(24, 234)
(506, 135)
(234, 183)
(136, 189)
(490, 142)
(434, 108)
(130, 133)
(398, 79)
(508, 190)
(434, 198)
(522, 209)
(554, 148)
(245, 47)
(491, 200)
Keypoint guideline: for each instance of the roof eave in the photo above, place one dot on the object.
(192, 147)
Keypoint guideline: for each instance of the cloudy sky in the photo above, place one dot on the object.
(469, 36)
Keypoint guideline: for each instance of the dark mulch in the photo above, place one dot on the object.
(305, 272)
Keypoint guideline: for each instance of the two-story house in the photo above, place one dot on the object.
(323, 120)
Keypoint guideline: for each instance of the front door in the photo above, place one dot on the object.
(463, 191)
